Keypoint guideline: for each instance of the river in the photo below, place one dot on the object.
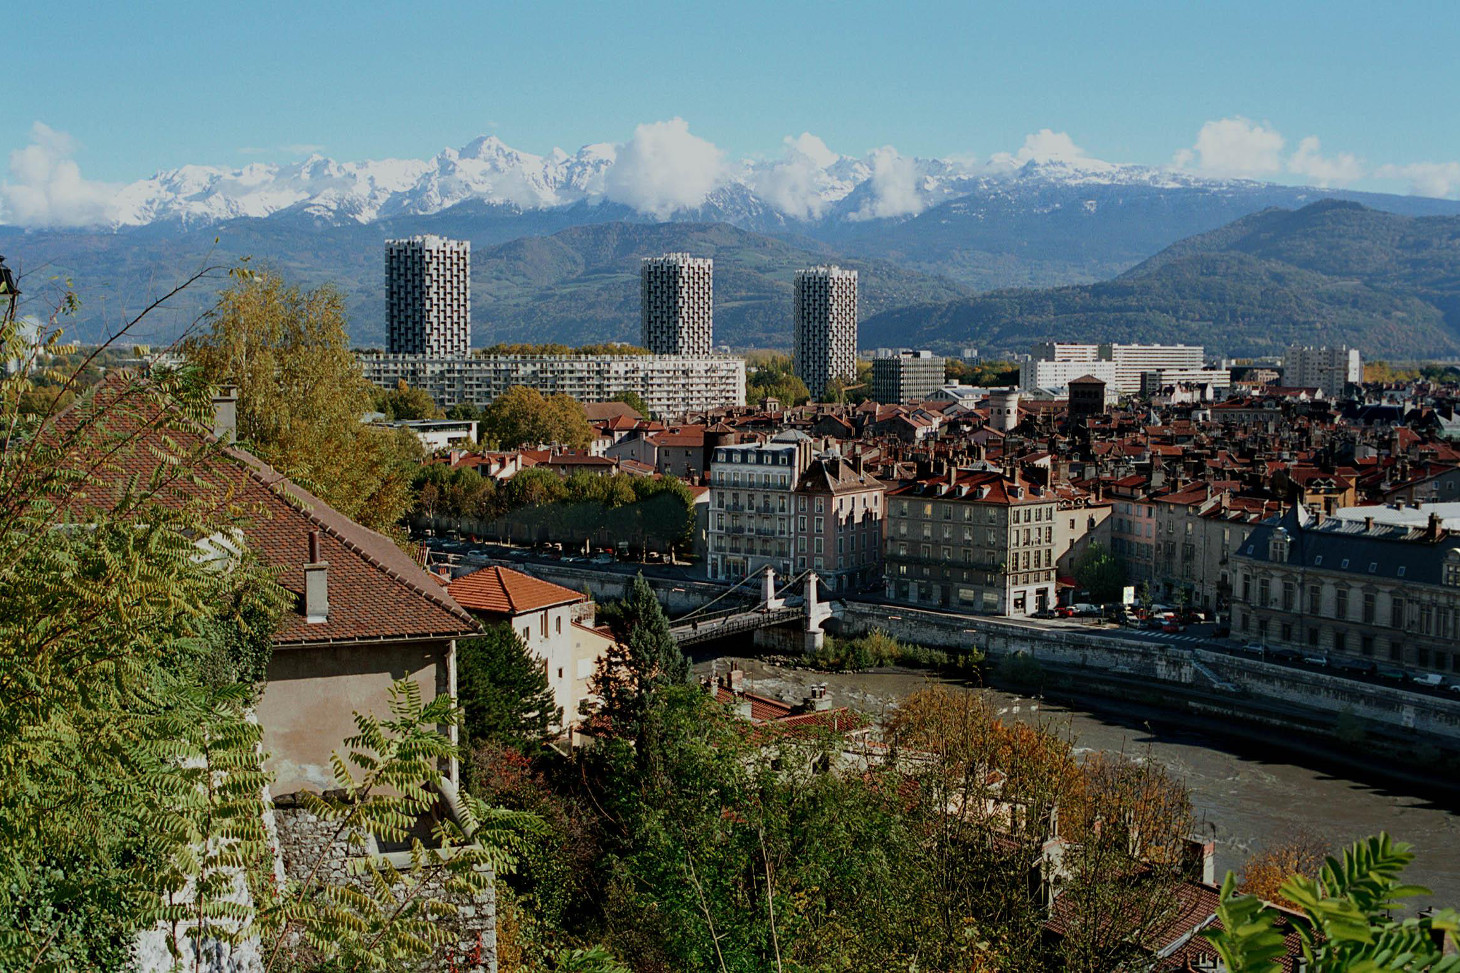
(1244, 796)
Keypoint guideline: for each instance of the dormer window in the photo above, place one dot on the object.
(1451, 573)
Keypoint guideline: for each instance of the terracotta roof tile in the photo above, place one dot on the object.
(502, 591)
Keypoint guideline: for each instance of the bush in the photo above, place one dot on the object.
(1020, 670)
(877, 648)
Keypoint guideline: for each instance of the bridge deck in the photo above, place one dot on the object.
(718, 626)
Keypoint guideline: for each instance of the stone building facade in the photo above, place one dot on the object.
(972, 540)
(752, 519)
(1358, 589)
(839, 518)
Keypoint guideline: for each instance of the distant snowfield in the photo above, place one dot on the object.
(663, 171)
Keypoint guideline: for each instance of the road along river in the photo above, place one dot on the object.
(1246, 793)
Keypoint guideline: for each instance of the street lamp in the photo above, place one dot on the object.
(8, 291)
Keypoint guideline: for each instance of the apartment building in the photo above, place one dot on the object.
(971, 540)
(1133, 526)
(906, 376)
(824, 314)
(1359, 589)
(1054, 364)
(1198, 529)
(1331, 369)
(428, 296)
(1133, 361)
(670, 385)
(752, 515)
(677, 304)
(839, 517)
(1036, 374)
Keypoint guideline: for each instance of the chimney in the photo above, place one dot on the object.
(316, 585)
(1198, 859)
(737, 680)
(742, 706)
(1368, 524)
(225, 413)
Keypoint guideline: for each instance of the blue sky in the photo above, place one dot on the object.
(139, 87)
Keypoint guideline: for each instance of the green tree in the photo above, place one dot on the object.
(504, 691)
(523, 416)
(643, 659)
(772, 376)
(1347, 918)
(404, 402)
(1100, 572)
(301, 397)
(633, 400)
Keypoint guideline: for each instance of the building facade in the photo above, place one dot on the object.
(1055, 363)
(838, 529)
(428, 296)
(1354, 589)
(752, 513)
(1036, 374)
(971, 540)
(670, 385)
(677, 304)
(824, 312)
(906, 376)
(1329, 369)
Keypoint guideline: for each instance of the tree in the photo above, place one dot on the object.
(523, 416)
(1299, 852)
(773, 377)
(504, 691)
(404, 402)
(301, 397)
(643, 659)
(633, 400)
(1346, 919)
(1100, 572)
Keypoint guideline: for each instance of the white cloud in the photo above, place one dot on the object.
(794, 184)
(664, 168)
(46, 187)
(1439, 179)
(1337, 170)
(1234, 147)
(301, 148)
(894, 187)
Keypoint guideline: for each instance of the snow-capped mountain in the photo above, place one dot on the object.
(809, 184)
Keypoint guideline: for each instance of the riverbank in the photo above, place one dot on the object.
(1248, 790)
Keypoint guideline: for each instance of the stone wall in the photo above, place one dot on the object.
(1241, 687)
(304, 839)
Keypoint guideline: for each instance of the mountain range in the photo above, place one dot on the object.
(556, 239)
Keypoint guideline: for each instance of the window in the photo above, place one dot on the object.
(1396, 613)
(559, 623)
(1340, 603)
(1369, 607)
(1264, 592)
(1315, 594)
(560, 672)
(1340, 642)
(1366, 645)
(1289, 595)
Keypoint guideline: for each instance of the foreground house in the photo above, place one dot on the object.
(555, 622)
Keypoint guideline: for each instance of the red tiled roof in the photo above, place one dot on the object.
(502, 591)
(376, 590)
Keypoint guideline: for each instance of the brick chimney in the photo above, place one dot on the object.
(316, 584)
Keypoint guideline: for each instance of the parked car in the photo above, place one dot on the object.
(1256, 649)
(1316, 659)
(1391, 674)
(1431, 679)
(517, 552)
(1285, 656)
(1045, 613)
(1172, 625)
(601, 559)
(1086, 610)
(1354, 667)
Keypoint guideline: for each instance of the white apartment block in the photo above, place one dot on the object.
(1036, 374)
(677, 304)
(1130, 361)
(825, 316)
(428, 296)
(670, 385)
(1329, 369)
(1218, 378)
(1133, 361)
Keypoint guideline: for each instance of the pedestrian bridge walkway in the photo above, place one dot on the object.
(706, 623)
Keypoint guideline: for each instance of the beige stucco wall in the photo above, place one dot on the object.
(308, 707)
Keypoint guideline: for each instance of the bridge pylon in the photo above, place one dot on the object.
(768, 599)
(817, 612)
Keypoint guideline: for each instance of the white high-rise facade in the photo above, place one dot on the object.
(677, 304)
(825, 340)
(1329, 369)
(428, 296)
(1127, 362)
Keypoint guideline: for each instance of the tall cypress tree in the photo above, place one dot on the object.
(503, 690)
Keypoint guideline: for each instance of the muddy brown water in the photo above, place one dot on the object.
(1242, 794)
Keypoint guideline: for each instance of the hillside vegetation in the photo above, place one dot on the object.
(1331, 272)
